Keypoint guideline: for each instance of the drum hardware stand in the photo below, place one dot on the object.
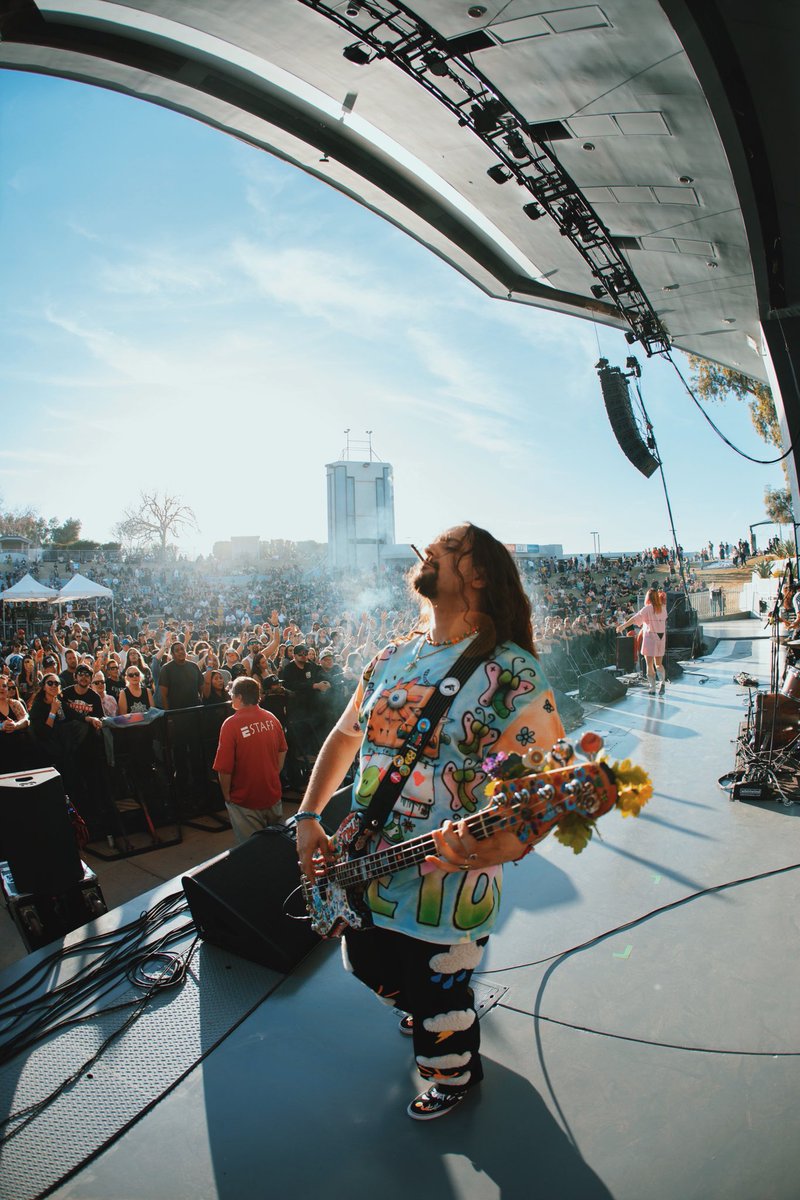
(768, 774)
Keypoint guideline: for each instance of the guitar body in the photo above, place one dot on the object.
(332, 905)
(529, 807)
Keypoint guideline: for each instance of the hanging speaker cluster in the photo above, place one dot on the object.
(617, 399)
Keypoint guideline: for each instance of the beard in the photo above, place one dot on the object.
(425, 581)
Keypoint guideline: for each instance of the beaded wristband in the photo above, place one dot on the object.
(307, 816)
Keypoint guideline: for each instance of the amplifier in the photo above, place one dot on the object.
(754, 790)
(43, 918)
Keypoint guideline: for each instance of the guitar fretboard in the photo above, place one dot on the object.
(533, 812)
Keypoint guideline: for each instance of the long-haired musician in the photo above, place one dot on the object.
(429, 923)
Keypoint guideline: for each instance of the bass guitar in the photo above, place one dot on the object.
(530, 805)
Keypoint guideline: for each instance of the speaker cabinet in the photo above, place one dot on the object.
(680, 614)
(239, 901)
(626, 654)
(36, 835)
(600, 687)
(569, 708)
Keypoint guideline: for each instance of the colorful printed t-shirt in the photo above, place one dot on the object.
(506, 704)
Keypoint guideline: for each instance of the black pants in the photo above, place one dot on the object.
(429, 980)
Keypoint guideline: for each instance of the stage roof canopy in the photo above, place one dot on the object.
(630, 161)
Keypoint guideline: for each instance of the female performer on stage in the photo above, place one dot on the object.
(653, 619)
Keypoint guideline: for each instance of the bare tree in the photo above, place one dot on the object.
(156, 519)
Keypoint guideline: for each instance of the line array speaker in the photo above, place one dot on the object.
(617, 399)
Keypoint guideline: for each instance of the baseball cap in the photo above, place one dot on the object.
(82, 669)
(301, 648)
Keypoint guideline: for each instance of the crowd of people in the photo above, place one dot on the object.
(182, 632)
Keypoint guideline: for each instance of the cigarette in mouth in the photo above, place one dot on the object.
(421, 557)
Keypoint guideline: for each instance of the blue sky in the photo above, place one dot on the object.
(183, 312)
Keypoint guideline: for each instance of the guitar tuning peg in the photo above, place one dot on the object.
(534, 758)
(591, 744)
(563, 752)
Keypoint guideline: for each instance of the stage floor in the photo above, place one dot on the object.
(662, 1061)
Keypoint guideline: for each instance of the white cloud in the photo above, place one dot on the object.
(323, 286)
(156, 273)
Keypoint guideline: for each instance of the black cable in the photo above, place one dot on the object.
(178, 974)
(27, 1020)
(626, 1037)
(654, 912)
(763, 462)
(104, 965)
(555, 961)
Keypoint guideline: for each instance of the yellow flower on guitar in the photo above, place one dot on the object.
(634, 787)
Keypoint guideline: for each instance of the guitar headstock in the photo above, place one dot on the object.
(541, 789)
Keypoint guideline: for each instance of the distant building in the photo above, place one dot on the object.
(360, 514)
(530, 551)
(14, 548)
(238, 549)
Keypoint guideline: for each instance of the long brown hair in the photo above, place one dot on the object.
(655, 597)
(504, 600)
(506, 613)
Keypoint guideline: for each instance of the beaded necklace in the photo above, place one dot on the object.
(427, 640)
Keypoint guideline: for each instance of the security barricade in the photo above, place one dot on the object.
(160, 777)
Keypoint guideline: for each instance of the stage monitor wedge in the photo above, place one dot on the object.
(617, 399)
(242, 900)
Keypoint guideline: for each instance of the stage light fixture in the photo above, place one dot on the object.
(516, 145)
(357, 53)
(597, 290)
(532, 211)
(436, 63)
(486, 116)
(499, 174)
(353, 10)
(630, 337)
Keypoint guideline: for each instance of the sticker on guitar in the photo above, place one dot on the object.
(529, 795)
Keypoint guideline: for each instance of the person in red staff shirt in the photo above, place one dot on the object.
(249, 760)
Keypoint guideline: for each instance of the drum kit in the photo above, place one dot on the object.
(768, 747)
(776, 716)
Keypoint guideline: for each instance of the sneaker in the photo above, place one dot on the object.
(651, 691)
(661, 688)
(406, 1025)
(434, 1103)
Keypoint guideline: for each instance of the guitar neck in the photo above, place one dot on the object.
(538, 813)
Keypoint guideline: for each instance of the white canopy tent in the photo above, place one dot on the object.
(29, 591)
(82, 588)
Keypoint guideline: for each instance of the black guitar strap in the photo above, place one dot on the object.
(396, 777)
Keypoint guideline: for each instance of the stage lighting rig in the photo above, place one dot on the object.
(393, 32)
